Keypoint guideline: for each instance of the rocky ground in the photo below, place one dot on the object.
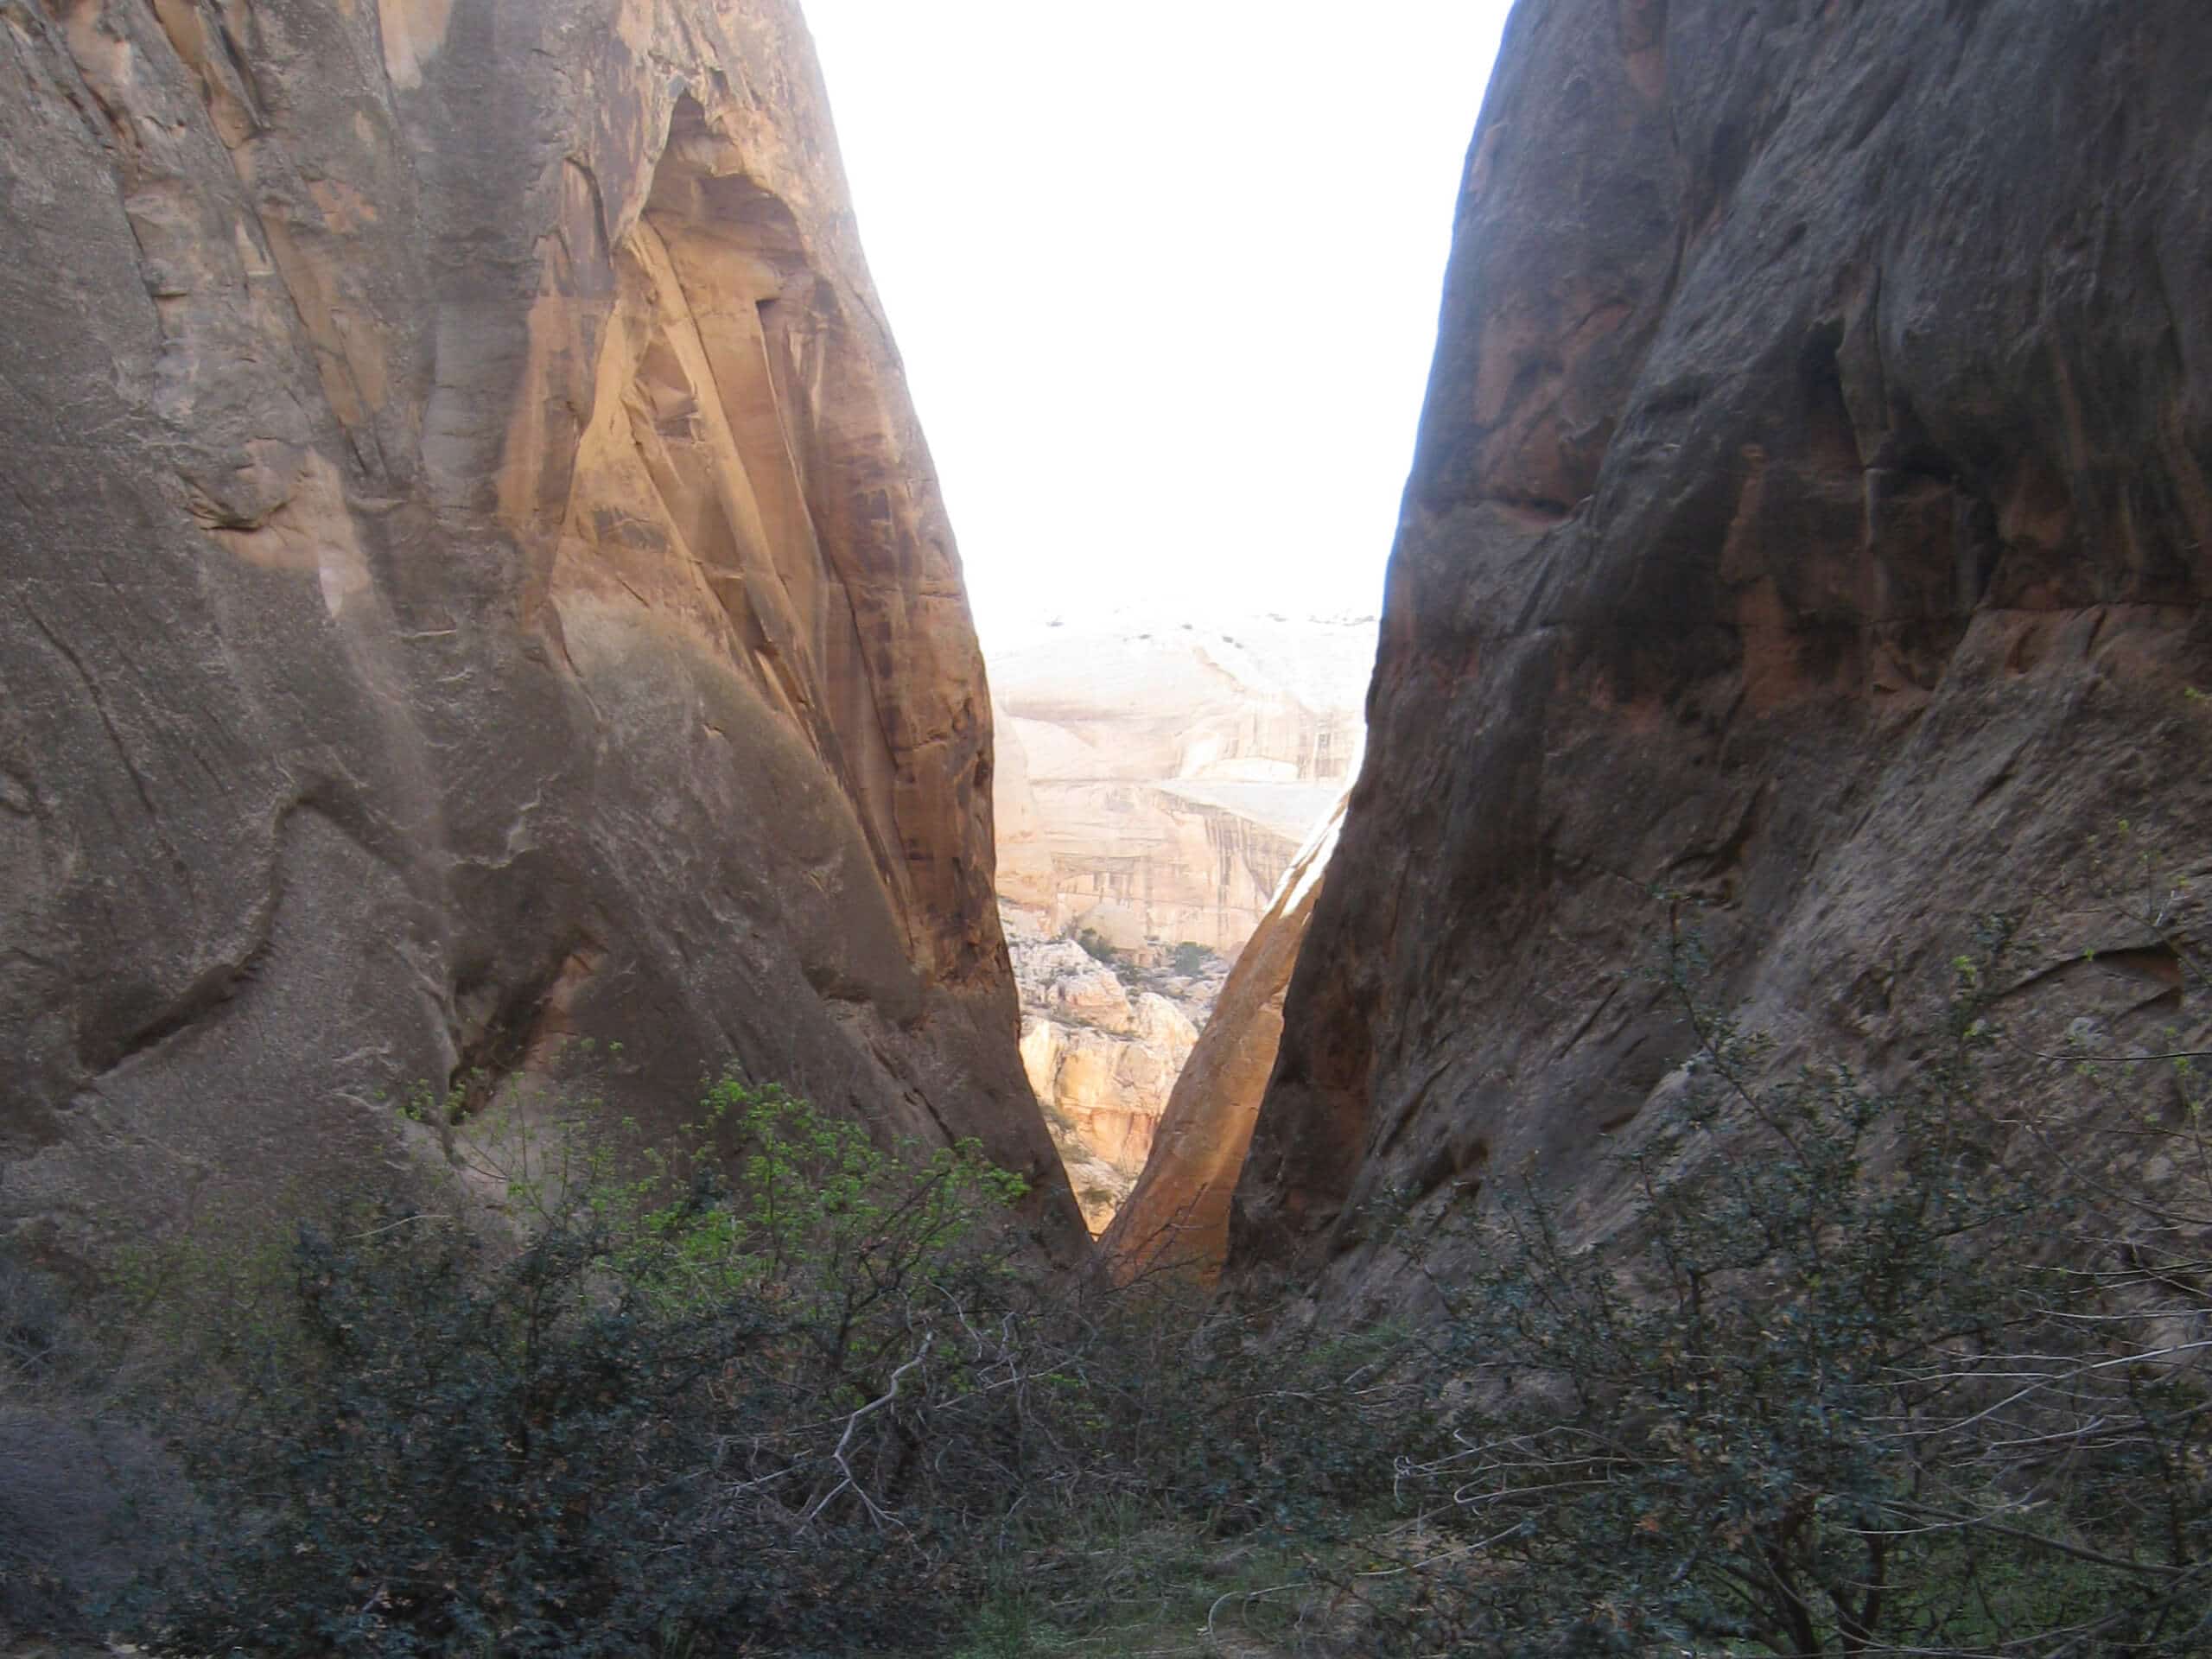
(1103, 1041)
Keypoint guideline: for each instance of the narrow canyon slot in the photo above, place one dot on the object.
(1494, 937)
(1156, 779)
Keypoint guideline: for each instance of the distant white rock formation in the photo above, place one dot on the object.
(1155, 780)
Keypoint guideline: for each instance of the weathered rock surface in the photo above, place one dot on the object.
(473, 577)
(1155, 780)
(1102, 1053)
(1176, 1213)
(1810, 515)
(1158, 776)
(1110, 1087)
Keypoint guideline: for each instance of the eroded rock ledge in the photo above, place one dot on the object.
(1156, 779)
(1104, 1042)
(1176, 1215)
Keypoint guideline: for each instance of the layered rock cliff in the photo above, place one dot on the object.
(1102, 1042)
(474, 579)
(1155, 781)
(1809, 520)
(1160, 776)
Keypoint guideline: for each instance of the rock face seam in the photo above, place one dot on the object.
(1177, 1215)
(1155, 781)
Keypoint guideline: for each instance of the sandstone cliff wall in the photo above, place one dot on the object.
(1102, 1046)
(473, 577)
(1810, 515)
(1149, 867)
(1155, 781)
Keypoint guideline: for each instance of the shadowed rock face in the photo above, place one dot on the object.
(474, 578)
(1810, 515)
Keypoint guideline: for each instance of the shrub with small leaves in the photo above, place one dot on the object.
(680, 1410)
(1854, 1382)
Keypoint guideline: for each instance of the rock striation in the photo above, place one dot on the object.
(1809, 521)
(1155, 781)
(474, 579)
(1158, 776)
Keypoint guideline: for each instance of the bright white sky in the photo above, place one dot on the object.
(1165, 274)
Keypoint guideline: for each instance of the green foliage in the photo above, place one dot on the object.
(1844, 1386)
(1856, 1367)
(1102, 950)
(475, 1457)
(1190, 958)
(763, 1387)
(1097, 946)
(816, 1199)
(217, 1291)
(681, 1409)
(83, 1494)
(1207, 1459)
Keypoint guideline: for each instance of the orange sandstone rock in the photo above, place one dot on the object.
(475, 578)
(1178, 1215)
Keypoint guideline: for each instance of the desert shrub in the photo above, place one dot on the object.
(39, 1339)
(465, 1459)
(1208, 1458)
(1856, 1380)
(1102, 951)
(1868, 1371)
(1097, 946)
(84, 1500)
(1190, 958)
(87, 1500)
(686, 1408)
(763, 1387)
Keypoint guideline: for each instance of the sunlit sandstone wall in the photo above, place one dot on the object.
(1177, 1215)
(474, 579)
